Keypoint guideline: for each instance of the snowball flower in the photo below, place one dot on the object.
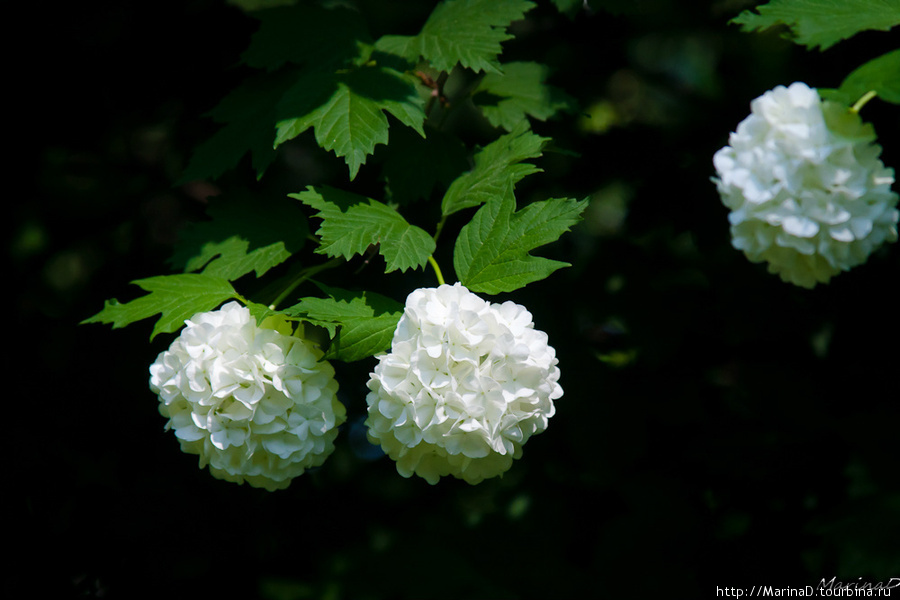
(255, 403)
(465, 385)
(807, 191)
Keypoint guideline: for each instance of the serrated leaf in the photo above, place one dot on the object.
(261, 312)
(492, 251)
(366, 321)
(881, 75)
(245, 234)
(306, 34)
(498, 167)
(175, 297)
(351, 119)
(508, 98)
(248, 115)
(822, 23)
(468, 32)
(351, 223)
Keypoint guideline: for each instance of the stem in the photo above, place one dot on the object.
(439, 228)
(862, 101)
(437, 270)
(305, 275)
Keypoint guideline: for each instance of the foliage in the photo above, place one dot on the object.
(822, 23)
(318, 68)
(725, 410)
(174, 297)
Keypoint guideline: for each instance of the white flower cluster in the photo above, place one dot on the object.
(255, 403)
(465, 385)
(807, 191)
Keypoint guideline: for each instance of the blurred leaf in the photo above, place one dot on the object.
(367, 321)
(881, 75)
(492, 251)
(508, 98)
(415, 165)
(822, 23)
(498, 167)
(351, 223)
(243, 234)
(306, 34)
(618, 358)
(254, 5)
(569, 7)
(176, 297)
(351, 121)
(468, 32)
(249, 115)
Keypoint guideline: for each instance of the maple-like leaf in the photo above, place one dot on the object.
(362, 323)
(507, 99)
(244, 234)
(348, 111)
(468, 32)
(498, 167)
(174, 297)
(352, 223)
(822, 23)
(492, 252)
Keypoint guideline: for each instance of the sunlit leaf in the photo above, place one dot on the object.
(468, 32)
(822, 23)
(498, 167)
(366, 321)
(352, 223)
(175, 297)
(492, 252)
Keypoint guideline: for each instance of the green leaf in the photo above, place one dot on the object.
(414, 166)
(347, 110)
(822, 23)
(498, 167)
(246, 233)
(492, 251)
(351, 223)
(306, 34)
(569, 7)
(176, 297)
(881, 75)
(508, 98)
(468, 32)
(367, 321)
(248, 114)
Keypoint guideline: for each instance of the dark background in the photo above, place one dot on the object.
(751, 438)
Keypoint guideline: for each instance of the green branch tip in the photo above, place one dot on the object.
(863, 101)
(437, 270)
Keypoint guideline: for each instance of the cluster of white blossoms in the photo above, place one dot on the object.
(466, 383)
(255, 403)
(807, 191)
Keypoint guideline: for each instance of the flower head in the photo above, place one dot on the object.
(255, 403)
(807, 191)
(465, 385)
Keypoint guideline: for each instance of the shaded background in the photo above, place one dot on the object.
(719, 427)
